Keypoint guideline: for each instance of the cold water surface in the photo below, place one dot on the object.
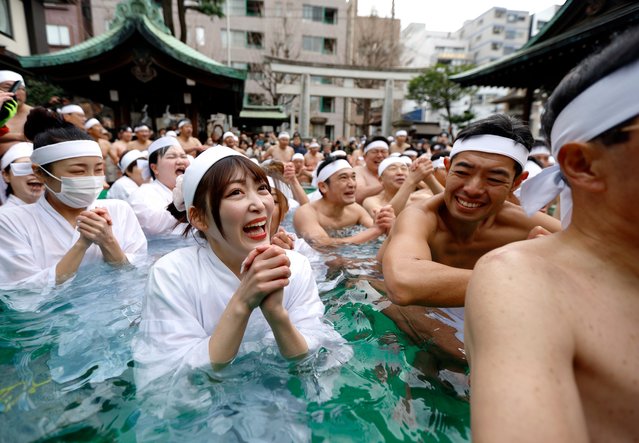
(66, 371)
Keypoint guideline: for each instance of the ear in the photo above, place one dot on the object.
(523, 176)
(154, 168)
(198, 221)
(581, 164)
(6, 176)
(447, 163)
(323, 187)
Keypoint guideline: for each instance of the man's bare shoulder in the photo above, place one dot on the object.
(514, 216)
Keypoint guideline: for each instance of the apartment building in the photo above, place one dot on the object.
(423, 48)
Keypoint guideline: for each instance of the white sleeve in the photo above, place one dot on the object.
(19, 268)
(130, 236)
(170, 334)
(154, 218)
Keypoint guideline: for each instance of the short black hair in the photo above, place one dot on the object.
(327, 161)
(502, 125)
(623, 50)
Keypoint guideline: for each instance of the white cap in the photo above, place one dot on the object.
(91, 123)
(130, 157)
(401, 133)
(19, 150)
(10, 76)
(297, 156)
(163, 142)
(69, 109)
(338, 153)
(284, 135)
(227, 134)
(186, 121)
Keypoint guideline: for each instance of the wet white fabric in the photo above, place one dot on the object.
(19, 150)
(332, 168)
(492, 144)
(186, 294)
(71, 109)
(610, 101)
(122, 188)
(11, 202)
(149, 203)
(198, 168)
(35, 237)
(64, 150)
(163, 142)
(377, 144)
(387, 162)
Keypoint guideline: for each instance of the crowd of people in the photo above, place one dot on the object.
(469, 222)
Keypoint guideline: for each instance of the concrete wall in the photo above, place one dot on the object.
(18, 43)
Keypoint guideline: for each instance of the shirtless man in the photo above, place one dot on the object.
(190, 144)
(111, 171)
(313, 156)
(302, 174)
(429, 256)
(73, 114)
(400, 145)
(143, 138)
(368, 184)
(16, 124)
(552, 323)
(282, 152)
(400, 179)
(337, 208)
(120, 146)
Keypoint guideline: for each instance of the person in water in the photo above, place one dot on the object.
(207, 303)
(552, 323)
(23, 186)
(44, 244)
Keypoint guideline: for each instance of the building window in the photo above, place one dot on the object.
(497, 29)
(327, 104)
(329, 132)
(499, 13)
(5, 18)
(319, 80)
(235, 7)
(496, 46)
(319, 44)
(255, 99)
(511, 34)
(200, 38)
(319, 14)
(509, 50)
(255, 8)
(243, 39)
(512, 18)
(58, 35)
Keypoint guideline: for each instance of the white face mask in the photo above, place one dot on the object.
(77, 192)
(21, 169)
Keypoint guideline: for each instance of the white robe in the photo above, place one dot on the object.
(149, 203)
(33, 239)
(186, 294)
(122, 188)
(11, 202)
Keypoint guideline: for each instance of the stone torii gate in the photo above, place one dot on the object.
(305, 89)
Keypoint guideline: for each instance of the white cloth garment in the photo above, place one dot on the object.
(11, 202)
(186, 294)
(33, 239)
(122, 188)
(149, 203)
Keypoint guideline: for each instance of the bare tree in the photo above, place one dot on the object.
(207, 7)
(376, 45)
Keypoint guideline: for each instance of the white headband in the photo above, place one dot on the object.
(69, 109)
(64, 150)
(387, 162)
(171, 134)
(377, 144)
(314, 145)
(200, 165)
(297, 156)
(184, 122)
(410, 152)
(10, 76)
(492, 144)
(129, 158)
(539, 150)
(19, 150)
(284, 135)
(439, 163)
(332, 168)
(163, 142)
(610, 101)
(401, 133)
(141, 127)
(228, 134)
(338, 153)
(91, 123)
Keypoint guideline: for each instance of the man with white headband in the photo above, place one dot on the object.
(190, 144)
(432, 250)
(95, 129)
(15, 125)
(73, 114)
(401, 179)
(313, 157)
(368, 184)
(45, 243)
(399, 144)
(282, 152)
(337, 208)
(121, 144)
(552, 323)
(142, 138)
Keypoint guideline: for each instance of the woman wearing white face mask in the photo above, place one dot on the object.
(45, 243)
(132, 165)
(23, 186)
(167, 161)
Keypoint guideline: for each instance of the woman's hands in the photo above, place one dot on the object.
(283, 240)
(94, 226)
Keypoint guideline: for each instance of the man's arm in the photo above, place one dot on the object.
(521, 350)
(410, 274)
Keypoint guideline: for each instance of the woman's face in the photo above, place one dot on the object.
(136, 175)
(27, 188)
(246, 211)
(173, 163)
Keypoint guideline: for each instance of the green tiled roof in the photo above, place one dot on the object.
(263, 112)
(133, 15)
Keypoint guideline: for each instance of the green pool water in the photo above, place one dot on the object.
(66, 373)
